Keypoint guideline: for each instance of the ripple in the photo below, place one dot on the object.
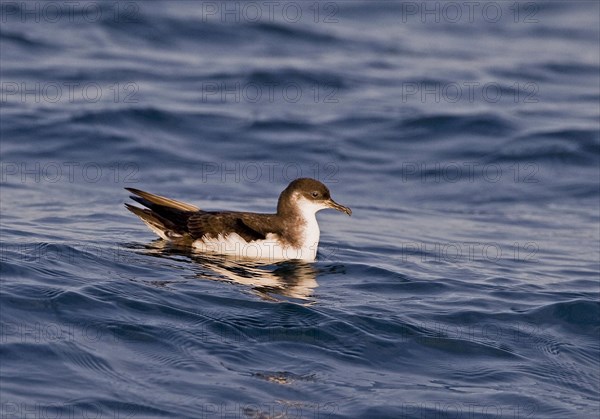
(576, 313)
(22, 39)
(98, 320)
(570, 146)
(293, 32)
(292, 76)
(447, 125)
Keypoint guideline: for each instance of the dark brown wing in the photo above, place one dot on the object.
(162, 201)
(249, 226)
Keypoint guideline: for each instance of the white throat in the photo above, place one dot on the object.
(310, 240)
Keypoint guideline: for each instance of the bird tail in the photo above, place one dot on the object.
(166, 217)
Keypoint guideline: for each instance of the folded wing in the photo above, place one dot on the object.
(172, 219)
(213, 224)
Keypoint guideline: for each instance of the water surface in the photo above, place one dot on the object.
(465, 285)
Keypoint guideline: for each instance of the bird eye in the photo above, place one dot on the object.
(315, 194)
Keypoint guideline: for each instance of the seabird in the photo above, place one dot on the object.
(291, 233)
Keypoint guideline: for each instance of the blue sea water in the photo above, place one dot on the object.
(464, 136)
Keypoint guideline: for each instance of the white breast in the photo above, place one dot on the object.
(270, 249)
(312, 233)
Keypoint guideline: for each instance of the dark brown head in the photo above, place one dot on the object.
(308, 196)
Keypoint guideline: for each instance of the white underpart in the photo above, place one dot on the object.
(312, 233)
(270, 248)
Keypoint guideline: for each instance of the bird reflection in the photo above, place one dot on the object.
(270, 281)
